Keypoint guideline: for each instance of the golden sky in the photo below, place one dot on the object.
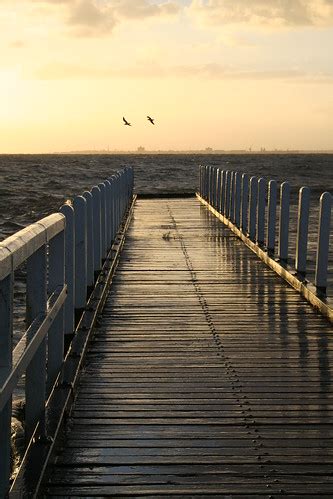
(213, 73)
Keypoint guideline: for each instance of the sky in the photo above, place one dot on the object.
(226, 74)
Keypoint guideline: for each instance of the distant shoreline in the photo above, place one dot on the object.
(194, 152)
(216, 152)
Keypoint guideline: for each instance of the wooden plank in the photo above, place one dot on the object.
(208, 376)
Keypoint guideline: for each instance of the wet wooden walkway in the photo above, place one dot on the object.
(208, 375)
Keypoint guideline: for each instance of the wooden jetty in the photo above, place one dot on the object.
(206, 374)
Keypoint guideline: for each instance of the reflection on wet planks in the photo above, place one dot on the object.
(208, 375)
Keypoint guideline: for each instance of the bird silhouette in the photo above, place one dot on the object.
(151, 120)
(126, 122)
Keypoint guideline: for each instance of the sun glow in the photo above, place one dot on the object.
(72, 73)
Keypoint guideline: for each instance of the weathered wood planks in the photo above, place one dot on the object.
(208, 375)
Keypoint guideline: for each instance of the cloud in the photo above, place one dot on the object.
(17, 44)
(86, 18)
(140, 9)
(93, 17)
(61, 71)
(276, 13)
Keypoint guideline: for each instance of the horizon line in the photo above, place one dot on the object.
(206, 151)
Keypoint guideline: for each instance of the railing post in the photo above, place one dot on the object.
(245, 203)
(68, 211)
(121, 192)
(204, 179)
(114, 207)
(6, 336)
(261, 211)
(56, 279)
(222, 201)
(200, 174)
(80, 210)
(227, 194)
(108, 216)
(284, 221)
(35, 382)
(221, 192)
(253, 207)
(90, 239)
(213, 186)
(203, 182)
(302, 230)
(117, 200)
(232, 196)
(218, 190)
(272, 199)
(238, 181)
(103, 219)
(96, 194)
(210, 185)
(323, 241)
(212, 191)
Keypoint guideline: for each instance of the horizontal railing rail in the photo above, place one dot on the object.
(63, 254)
(250, 205)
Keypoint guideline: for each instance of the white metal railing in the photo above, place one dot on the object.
(63, 254)
(242, 201)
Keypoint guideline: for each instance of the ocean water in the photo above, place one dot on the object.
(33, 186)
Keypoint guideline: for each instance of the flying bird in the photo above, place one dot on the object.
(151, 120)
(126, 122)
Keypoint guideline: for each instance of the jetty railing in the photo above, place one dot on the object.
(63, 254)
(249, 205)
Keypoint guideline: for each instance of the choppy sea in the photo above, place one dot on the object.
(32, 186)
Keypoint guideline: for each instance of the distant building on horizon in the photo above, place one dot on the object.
(141, 149)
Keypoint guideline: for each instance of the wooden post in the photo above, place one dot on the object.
(245, 203)
(218, 190)
(213, 179)
(204, 182)
(108, 214)
(223, 192)
(200, 180)
(6, 336)
(227, 194)
(35, 382)
(302, 230)
(323, 241)
(261, 211)
(68, 211)
(96, 194)
(90, 239)
(284, 221)
(80, 210)
(238, 185)
(113, 184)
(210, 185)
(56, 279)
(103, 218)
(117, 201)
(232, 196)
(272, 200)
(253, 207)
